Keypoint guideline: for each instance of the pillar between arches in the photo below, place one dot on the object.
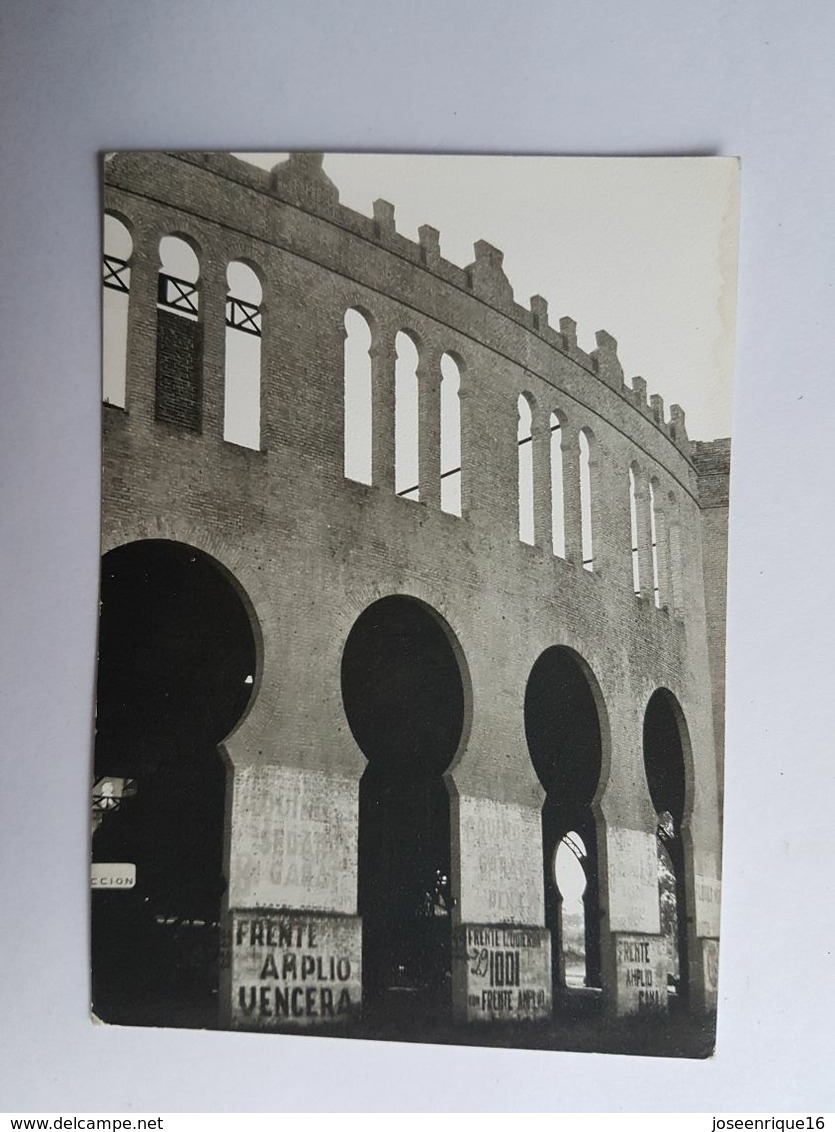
(383, 357)
(140, 372)
(213, 290)
(542, 517)
(570, 449)
(703, 921)
(291, 954)
(501, 950)
(634, 961)
(429, 427)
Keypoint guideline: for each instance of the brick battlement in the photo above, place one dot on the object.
(300, 181)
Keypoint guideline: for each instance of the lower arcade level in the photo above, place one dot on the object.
(466, 919)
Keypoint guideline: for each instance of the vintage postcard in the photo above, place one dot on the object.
(411, 673)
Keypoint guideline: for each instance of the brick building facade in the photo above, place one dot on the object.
(308, 551)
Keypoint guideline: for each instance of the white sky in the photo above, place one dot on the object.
(642, 247)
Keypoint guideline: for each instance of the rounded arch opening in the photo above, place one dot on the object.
(666, 755)
(667, 770)
(244, 282)
(177, 668)
(566, 732)
(405, 694)
(179, 256)
(406, 415)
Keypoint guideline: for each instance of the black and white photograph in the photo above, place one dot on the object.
(417, 628)
(410, 695)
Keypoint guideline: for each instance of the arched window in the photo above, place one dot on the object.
(357, 385)
(179, 273)
(557, 490)
(653, 522)
(450, 436)
(242, 369)
(586, 501)
(406, 410)
(525, 447)
(179, 390)
(118, 247)
(633, 527)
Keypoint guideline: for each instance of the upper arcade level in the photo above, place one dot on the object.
(251, 310)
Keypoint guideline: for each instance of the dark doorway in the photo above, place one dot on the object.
(666, 778)
(176, 670)
(404, 699)
(562, 727)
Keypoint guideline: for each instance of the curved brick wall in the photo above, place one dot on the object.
(311, 548)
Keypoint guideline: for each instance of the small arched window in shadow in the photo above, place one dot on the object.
(242, 369)
(450, 436)
(357, 404)
(525, 449)
(633, 527)
(179, 388)
(406, 466)
(571, 880)
(118, 247)
(557, 490)
(653, 522)
(586, 488)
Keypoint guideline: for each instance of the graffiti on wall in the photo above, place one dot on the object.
(292, 970)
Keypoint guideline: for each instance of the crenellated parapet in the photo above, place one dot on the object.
(301, 182)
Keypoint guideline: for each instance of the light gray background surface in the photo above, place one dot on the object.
(650, 76)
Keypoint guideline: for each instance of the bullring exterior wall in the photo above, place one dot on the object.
(309, 550)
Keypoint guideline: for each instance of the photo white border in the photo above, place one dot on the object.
(749, 79)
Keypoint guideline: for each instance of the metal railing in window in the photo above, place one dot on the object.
(116, 274)
(244, 316)
(177, 294)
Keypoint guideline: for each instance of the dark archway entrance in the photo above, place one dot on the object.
(664, 764)
(176, 669)
(404, 698)
(563, 730)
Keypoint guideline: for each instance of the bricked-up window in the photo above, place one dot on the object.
(586, 488)
(179, 389)
(118, 247)
(656, 588)
(406, 475)
(357, 392)
(633, 527)
(242, 363)
(450, 436)
(557, 489)
(525, 450)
